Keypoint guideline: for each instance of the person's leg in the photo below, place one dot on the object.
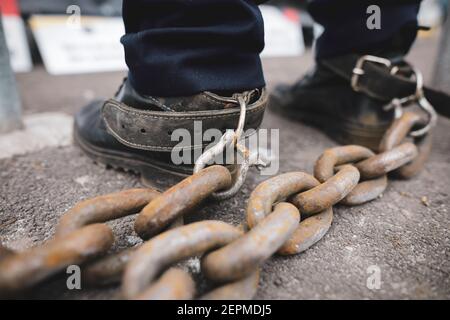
(346, 31)
(189, 63)
(325, 97)
(179, 48)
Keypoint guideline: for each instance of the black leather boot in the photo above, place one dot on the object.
(327, 101)
(133, 132)
(351, 113)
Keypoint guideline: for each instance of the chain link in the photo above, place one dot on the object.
(181, 199)
(168, 248)
(365, 190)
(241, 257)
(105, 208)
(22, 271)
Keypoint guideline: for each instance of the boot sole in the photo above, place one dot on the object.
(151, 174)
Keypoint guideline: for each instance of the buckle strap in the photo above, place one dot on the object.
(372, 76)
(152, 130)
(358, 70)
(378, 78)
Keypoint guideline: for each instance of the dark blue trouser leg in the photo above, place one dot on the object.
(346, 30)
(182, 47)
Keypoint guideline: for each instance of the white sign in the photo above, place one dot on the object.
(283, 36)
(16, 41)
(92, 46)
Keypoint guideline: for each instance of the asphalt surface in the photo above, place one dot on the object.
(405, 236)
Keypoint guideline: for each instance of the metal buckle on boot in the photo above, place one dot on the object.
(358, 70)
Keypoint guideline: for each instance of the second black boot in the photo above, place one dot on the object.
(326, 98)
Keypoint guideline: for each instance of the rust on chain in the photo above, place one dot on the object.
(181, 199)
(424, 146)
(174, 284)
(24, 270)
(308, 233)
(387, 161)
(324, 166)
(328, 193)
(109, 270)
(170, 247)
(397, 133)
(243, 289)
(243, 256)
(273, 190)
(399, 130)
(278, 188)
(365, 191)
(105, 208)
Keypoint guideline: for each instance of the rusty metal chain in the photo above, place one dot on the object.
(286, 214)
(139, 279)
(181, 199)
(79, 238)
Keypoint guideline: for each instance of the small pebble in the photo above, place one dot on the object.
(425, 201)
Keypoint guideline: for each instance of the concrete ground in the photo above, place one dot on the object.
(406, 238)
